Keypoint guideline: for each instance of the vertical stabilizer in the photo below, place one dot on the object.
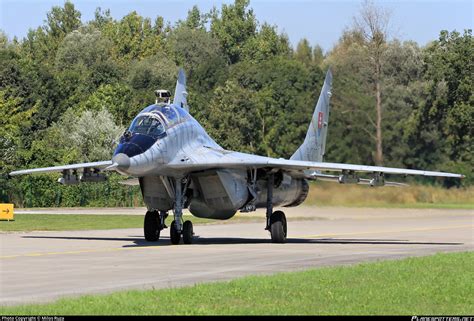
(314, 144)
(180, 93)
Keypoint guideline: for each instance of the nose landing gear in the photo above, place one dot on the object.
(177, 228)
(186, 232)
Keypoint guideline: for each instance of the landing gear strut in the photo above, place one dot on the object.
(276, 221)
(179, 228)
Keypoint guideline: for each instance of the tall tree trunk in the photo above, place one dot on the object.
(373, 25)
(379, 153)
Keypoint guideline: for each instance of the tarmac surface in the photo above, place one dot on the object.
(44, 266)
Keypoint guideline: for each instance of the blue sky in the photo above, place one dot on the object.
(321, 22)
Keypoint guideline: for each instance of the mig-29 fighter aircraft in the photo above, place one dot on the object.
(178, 165)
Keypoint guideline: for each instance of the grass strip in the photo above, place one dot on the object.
(416, 196)
(440, 284)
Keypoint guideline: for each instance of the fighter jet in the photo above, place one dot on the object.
(178, 165)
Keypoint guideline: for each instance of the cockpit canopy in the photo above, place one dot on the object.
(148, 124)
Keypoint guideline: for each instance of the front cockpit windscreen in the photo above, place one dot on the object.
(149, 125)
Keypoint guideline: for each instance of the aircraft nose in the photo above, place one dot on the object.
(122, 160)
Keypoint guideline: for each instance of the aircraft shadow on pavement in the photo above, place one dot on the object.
(164, 241)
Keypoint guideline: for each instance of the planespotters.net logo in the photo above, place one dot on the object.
(415, 318)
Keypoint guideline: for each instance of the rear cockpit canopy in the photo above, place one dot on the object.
(169, 114)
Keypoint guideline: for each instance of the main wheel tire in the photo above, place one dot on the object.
(278, 228)
(188, 234)
(151, 226)
(175, 236)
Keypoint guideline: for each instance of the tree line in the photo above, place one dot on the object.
(70, 88)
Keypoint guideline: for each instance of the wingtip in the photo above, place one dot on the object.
(11, 174)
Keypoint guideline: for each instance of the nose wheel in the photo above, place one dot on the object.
(186, 232)
(175, 235)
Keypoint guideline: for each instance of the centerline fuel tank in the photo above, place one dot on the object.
(218, 194)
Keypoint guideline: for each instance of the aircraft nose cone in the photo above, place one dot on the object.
(122, 161)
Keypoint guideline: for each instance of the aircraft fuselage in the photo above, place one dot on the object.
(163, 134)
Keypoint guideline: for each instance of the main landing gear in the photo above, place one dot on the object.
(276, 221)
(155, 221)
(154, 224)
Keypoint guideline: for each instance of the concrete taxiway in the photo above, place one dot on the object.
(43, 266)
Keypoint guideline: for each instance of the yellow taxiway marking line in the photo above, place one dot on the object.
(421, 229)
(105, 250)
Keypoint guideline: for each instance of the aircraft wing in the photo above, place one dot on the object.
(323, 166)
(215, 158)
(94, 165)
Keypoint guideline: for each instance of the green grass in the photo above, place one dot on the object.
(459, 206)
(416, 196)
(448, 206)
(441, 284)
(71, 222)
